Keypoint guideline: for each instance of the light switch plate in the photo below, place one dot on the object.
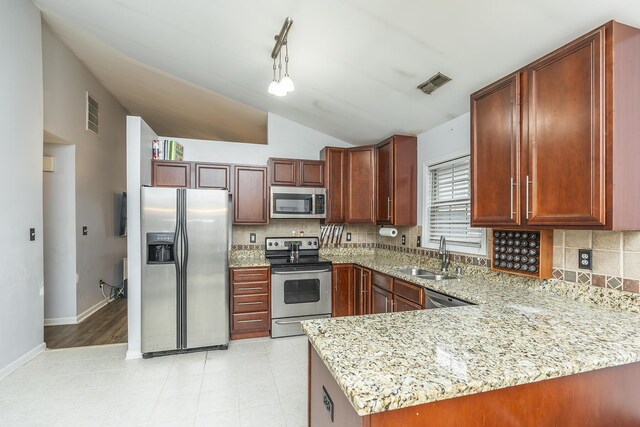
(404, 240)
(32, 234)
(348, 237)
(252, 237)
(85, 230)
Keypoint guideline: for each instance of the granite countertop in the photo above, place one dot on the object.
(521, 331)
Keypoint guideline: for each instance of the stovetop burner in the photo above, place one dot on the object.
(278, 252)
(303, 260)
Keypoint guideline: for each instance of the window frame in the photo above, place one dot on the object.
(426, 205)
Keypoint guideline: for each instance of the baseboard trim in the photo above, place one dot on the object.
(133, 354)
(22, 360)
(56, 321)
(88, 312)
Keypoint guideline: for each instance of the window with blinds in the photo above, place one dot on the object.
(449, 211)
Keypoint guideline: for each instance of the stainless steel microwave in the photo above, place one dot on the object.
(298, 202)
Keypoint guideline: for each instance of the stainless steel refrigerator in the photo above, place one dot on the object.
(185, 285)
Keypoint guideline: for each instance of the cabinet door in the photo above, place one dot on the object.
(380, 300)
(283, 172)
(168, 173)
(565, 183)
(343, 290)
(401, 304)
(212, 176)
(335, 167)
(495, 154)
(361, 185)
(384, 187)
(311, 173)
(362, 290)
(250, 195)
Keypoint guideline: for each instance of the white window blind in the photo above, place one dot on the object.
(449, 212)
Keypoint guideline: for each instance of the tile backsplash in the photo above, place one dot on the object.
(616, 254)
(616, 258)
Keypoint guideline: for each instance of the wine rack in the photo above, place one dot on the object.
(524, 252)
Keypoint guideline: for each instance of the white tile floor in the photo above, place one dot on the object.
(259, 382)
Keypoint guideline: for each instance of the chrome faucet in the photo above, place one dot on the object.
(444, 255)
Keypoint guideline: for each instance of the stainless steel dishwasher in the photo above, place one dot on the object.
(435, 299)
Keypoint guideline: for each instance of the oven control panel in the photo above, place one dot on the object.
(285, 243)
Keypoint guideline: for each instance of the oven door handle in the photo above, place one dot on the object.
(301, 271)
(287, 322)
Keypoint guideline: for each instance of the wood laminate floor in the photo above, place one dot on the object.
(107, 326)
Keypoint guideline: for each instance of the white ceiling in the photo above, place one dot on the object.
(356, 63)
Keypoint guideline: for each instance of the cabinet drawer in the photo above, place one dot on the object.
(250, 303)
(250, 275)
(251, 322)
(402, 304)
(409, 291)
(250, 288)
(382, 281)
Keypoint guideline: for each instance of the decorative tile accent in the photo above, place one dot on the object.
(584, 278)
(599, 280)
(558, 274)
(570, 276)
(631, 285)
(614, 282)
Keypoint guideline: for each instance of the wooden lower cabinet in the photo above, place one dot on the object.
(401, 304)
(362, 290)
(608, 393)
(250, 302)
(342, 303)
(381, 300)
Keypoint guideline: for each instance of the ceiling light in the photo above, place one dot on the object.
(280, 86)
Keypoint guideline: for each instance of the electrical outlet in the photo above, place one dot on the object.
(101, 284)
(32, 234)
(252, 237)
(584, 259)
(85, 230)
(348, 236)
(404, 240)
(418, 241)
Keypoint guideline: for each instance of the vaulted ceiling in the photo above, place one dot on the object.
(200, 68)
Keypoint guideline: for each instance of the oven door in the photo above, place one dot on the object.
(300, 293)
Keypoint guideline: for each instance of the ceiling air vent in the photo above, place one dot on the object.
(93, 115)
(434, 83)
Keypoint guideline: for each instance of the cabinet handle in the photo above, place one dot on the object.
(250, 274)
(250, 303)
(249, 289)
(511, 197)
(389, 208)
(527, 204)
(386, 304)
(250, 321)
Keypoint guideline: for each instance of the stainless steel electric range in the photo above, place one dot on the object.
(300, 283)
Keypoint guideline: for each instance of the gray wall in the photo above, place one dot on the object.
(59, 235)
(100, 164)
(21, 302)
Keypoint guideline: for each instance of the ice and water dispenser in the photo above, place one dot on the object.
(160, 248)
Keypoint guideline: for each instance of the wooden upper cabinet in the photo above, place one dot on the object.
(311, 173)
(335, 180)
(250, 201)
(283, 172)
(343, 290)
(212, 176)
(495, 154)
(360, 193)
(578, 133)
(170, 173)
(397, 181)
(296, 172)
(567, 146)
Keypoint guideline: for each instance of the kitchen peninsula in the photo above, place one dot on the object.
(529, 353)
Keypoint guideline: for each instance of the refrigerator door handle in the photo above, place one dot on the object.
(178, 262)
(185, 262)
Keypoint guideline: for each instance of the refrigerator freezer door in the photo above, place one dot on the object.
(159, 284)
(207, 286)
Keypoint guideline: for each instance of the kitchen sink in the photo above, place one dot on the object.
(425, 274)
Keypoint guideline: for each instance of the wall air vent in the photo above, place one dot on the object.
(93, 115)
(434, 83)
